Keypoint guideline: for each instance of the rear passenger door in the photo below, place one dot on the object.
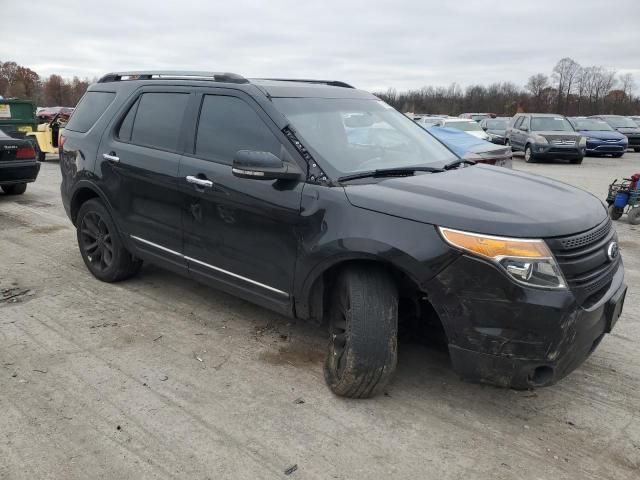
(139, 161)
(240, 235)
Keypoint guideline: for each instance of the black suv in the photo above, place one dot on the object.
(545, 135)
(319, 201)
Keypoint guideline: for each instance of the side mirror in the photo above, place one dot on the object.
(524, 129)
(263, 166)
(485, 128)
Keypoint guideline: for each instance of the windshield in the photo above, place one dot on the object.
(464, 126)
(621, 122)
(353, 135)
(496, 124)
(550, 124)
(593, 125)
(479, 117)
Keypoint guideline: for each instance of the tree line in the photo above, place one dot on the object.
(17, 81)
(571, 89)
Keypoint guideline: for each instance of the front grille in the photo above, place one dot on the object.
(563, 142)
(584, 261)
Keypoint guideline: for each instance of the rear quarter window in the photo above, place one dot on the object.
(89, 110)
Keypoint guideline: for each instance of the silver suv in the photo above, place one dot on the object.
(545, 135)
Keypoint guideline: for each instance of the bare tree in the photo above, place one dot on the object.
(565, 74)
(536, 86)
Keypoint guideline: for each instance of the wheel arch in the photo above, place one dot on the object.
(84, 191)
(312, 299)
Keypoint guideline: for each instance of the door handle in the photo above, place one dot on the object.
(111, 158)
(201, 182)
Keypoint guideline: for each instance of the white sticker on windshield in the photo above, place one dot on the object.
(385, 105)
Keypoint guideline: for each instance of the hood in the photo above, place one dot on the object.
(628, 130)
(502, 133)
(478, 133)
(603, 134)
(484, 199)
(558, 135)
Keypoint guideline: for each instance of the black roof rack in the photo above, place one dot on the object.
(332, 83)
(168, 75)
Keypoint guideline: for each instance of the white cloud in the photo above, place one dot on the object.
(371, 44)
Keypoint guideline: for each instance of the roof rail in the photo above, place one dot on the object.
(332, 83)
(164, 75)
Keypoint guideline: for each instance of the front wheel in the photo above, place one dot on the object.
(615, 212)
(101, 246)
(15, 189)
(528, 155)
(636, 149)
(363, 322)
(576, 161)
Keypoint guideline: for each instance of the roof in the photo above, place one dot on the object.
(273, 87)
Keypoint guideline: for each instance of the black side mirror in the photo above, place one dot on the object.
(263, 166)
(485, 128)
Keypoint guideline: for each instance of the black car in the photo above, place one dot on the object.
(18, 164)
(496, 128)
(261, 188)
(624, 125)
(545, 135)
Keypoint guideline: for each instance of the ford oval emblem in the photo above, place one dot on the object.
(613, 251)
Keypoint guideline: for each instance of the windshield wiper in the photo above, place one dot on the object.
(389, 172)
(457, 163)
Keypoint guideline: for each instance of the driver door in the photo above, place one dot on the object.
(240, 235)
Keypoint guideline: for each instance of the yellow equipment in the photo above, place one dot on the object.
(45, 139)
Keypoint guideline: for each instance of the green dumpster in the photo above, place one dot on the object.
(17, 117)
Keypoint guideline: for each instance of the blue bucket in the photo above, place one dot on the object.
(621, 200)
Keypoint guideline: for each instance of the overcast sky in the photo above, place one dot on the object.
(371, 44)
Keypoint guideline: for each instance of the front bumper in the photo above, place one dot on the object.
(634, 140)
(514, 336)
(18, 171)
(556, 151)
(606, 147)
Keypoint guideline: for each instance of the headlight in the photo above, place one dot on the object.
(590, 139)
(540, 139)
(525, 261)
(583, 141)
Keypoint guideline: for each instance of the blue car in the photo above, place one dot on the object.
(601, 138)
(470, 147)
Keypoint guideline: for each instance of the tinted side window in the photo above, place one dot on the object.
(158, 120)
(126, 127)
(90, 108)
(226, 125)
(518, 122)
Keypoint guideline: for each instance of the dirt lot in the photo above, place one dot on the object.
(159, 377)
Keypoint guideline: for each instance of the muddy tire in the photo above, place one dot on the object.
(15, 189)
(634, 216)
(363, 326)
(615, 212)
(101, 245)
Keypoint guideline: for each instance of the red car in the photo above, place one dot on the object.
(46, 114)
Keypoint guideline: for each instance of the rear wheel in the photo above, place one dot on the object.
(15, 189)
(634, 216)
(636, 149)
(615, 212)
(528, 155)
(617, 155)
(363, 322)
(101, 246)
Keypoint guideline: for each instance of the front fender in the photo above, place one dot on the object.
(333, 231)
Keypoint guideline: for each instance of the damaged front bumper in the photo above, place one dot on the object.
(511, 335)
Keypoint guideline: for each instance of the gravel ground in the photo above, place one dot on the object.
(159, 377)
